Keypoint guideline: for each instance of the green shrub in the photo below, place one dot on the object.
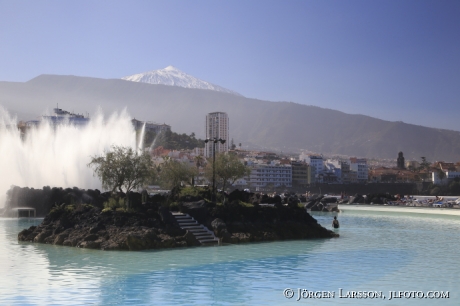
(79, 207)
(70, 207)
(59, 210)
(174, 206)
(189, 191)
(246, 204)
(115, 203)
(62, 208)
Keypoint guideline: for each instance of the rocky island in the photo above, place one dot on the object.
(151, 224)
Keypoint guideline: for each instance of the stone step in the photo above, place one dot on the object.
(208, 240)
(185, 220)
(203, 238)
(201, 233)
(204, 235)
(188, 223)
(197, 231)
(192, 227)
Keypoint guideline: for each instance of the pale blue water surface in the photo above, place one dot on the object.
(376, 251)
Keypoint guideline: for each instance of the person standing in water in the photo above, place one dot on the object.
(335, 223)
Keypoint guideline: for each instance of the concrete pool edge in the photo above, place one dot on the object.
(404, 209)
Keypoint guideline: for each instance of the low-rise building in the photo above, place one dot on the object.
(392, 175)
(316, 167)
(359, 165)
(448, 177)
(150, 126)
(199, 151)
(299, 174)
(311, 175)
(345, 171)
(267, 176)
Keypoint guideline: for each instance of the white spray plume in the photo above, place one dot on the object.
(58, 156)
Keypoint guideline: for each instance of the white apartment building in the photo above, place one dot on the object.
(316, 163)
(359, 166)
(263, 175)
(449, 177)
(198, 151)
(217, 126)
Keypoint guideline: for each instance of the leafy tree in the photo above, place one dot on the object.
(228, 169)
(172, 173)
(122, 168)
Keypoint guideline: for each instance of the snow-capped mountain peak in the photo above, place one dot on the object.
(175, 77)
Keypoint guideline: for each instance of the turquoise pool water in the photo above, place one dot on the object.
(377, 252)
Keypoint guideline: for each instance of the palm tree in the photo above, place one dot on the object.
(199, 161)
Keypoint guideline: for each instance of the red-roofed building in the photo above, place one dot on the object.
(160, 151)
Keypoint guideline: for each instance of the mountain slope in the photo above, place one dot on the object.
(174, 77)
(279, 126)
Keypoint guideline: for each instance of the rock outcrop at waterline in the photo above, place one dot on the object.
(152, 226)
(321, 203)
(236, 223)
(43, 200)
(89, 227)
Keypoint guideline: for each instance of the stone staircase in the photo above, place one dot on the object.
(201, 232)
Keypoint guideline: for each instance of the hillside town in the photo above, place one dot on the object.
(271, 171)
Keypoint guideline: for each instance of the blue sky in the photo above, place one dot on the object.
(394, 60)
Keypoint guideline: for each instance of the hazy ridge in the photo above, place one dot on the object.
(280, 126)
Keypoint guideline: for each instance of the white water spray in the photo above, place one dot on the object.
(152, 145)
(140, 143)
(58, 156)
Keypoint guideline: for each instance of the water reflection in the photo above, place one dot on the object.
(17, 263)
(254, 281)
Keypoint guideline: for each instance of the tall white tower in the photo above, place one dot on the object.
(216, 127)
